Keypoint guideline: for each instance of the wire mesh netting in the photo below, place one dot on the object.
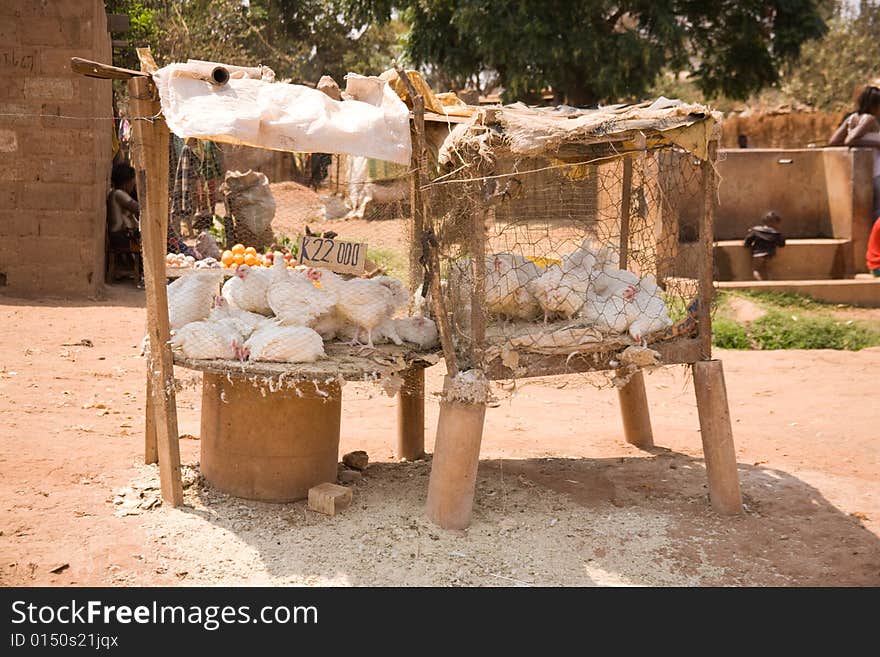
(244, 296)
(546, 258)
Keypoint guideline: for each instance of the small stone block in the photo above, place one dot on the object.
(349, 476)
(329, 498)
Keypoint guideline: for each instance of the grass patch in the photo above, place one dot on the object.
(792, 321)
(394, 263)
(727, 334)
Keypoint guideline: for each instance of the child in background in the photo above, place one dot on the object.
(763, 240)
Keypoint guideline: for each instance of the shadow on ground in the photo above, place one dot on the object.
(548, 521)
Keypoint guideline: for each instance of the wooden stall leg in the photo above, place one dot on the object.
(634, 409)
(151, 447)
(150, 158)
(411, 415)
(717, 437)
(454, 468)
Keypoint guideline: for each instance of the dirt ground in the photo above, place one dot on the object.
(561, 499)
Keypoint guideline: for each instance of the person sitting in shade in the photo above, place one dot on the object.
(763, 240)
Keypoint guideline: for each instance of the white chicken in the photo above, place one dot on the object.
(649, 314)
(246, 321)
(584, 257)
(366, 303)
(284, 344)
(205, 340)
(561, 292)
(609, 314)
(247, 290)
(421, 331)
(508, 276)
(640, 313)
(190, 297)
(297, 298)
(384, 333)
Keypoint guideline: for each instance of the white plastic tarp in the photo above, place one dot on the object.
(372, 122)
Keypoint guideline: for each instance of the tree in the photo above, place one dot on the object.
(588, 51)
(300, 39)
(831, 68)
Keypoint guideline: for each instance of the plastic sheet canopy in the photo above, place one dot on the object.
(371, 121)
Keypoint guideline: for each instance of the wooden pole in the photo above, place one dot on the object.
(421, 223)
(454, 468)
(717, 436)
(634, 409)
(707, 246)
(625, 209)
(151, 447)
(150, 159)
(480, 216)
(411, 415)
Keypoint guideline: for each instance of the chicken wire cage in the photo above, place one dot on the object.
(241, 300)
(557, 238)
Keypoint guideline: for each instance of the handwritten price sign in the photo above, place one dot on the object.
(335, 255)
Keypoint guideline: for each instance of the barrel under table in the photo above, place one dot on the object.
(269, 445)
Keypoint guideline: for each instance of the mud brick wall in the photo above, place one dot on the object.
(54, 171)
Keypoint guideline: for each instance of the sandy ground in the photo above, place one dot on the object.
(561, 500)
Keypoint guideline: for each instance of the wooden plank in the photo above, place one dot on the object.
(411, 415)
(145, 57)
(150, 159)
(625, 209)
(118, 23)
(433, 117)
(675, 351)
(103, 71)
(707, 237)
(717, 437)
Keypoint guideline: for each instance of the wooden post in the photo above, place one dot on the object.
(480, 215)
(454, 468)
(420, 221)
(717, 437)
(411, 415)
(150, 156)
(625, 209)
(151, 448)
(634, 409)
(707, 246)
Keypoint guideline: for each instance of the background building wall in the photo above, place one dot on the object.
(54, 171)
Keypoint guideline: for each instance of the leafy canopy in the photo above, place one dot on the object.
(599, 50)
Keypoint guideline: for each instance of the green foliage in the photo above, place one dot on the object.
(393, 262)
(300, 39)
(830, 69)
(778, 330)
(218, 230)
(784, 299)
(288, 244)
(792, 321)
(589, 51)
(727, 334)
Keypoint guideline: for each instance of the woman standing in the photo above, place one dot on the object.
(862, 128)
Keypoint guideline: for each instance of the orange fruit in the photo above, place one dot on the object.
(250, 259)
(238, 258)
(251, 249)
(238, 248)
(227, 258)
